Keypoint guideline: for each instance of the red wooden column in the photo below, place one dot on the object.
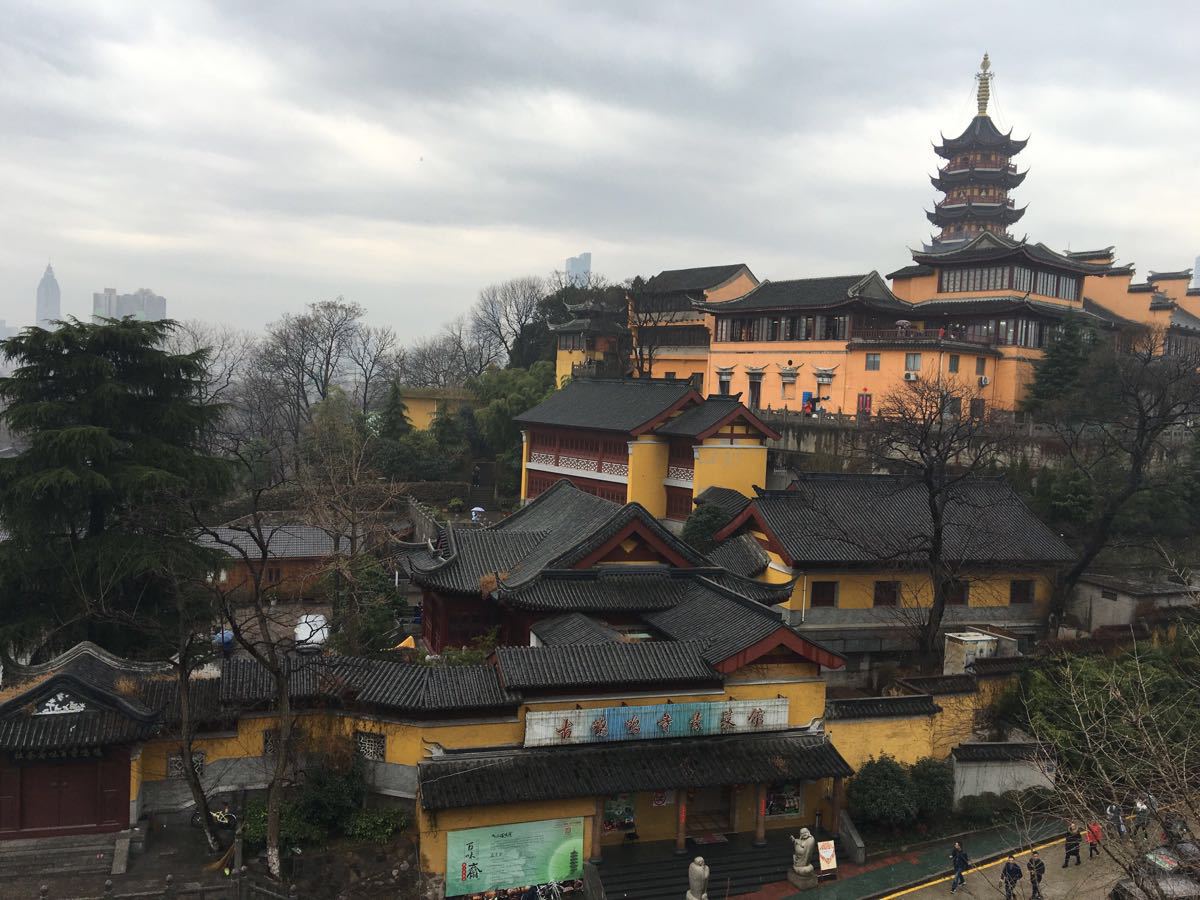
(760, 817)
(681, 825)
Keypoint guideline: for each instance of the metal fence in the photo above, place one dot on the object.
(237, 887)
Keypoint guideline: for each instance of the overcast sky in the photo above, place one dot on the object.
(245, 158)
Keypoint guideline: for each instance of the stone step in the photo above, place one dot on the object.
(71, 854)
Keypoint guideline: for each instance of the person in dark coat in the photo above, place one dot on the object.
(1037, 871)
(1010, 875)
(1072, 845)
(959, 862)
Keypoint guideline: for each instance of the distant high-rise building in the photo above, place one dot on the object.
(144, 305)
(6, 332)
(579, 269)
(1196, 274)
(49, 300)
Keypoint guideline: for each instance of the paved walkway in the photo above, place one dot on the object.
(1090, 881)
(895, 871)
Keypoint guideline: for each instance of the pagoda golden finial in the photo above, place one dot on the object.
(985, 84)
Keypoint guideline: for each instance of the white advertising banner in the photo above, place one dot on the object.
(564, 727)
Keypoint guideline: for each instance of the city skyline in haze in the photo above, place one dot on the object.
(246, 160)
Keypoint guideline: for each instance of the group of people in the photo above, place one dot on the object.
(1011, 874)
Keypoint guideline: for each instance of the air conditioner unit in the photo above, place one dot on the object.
(911, 376)
(984, 381)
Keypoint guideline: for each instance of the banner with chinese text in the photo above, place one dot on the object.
(546, 728)
(516, 855)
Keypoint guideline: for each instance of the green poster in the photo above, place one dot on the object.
(516, 855)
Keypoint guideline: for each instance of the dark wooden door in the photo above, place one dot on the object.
(10, 797)
(59, 795)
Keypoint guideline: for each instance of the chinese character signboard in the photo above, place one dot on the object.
(516, 855)
(548, 728)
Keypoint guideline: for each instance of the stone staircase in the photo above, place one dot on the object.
(653, 872)
(84, 854)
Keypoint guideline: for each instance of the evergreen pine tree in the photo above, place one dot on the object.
(1059, 370)
(393, 418)
(95, 505)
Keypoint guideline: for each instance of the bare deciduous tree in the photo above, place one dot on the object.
(938, 431)
(648, 313)
(1117, 427)
(374, 359)
(505, 309)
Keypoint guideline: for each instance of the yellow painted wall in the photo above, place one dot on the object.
(524, 465)
(856, 589)
(908, 738)
(647, 469)
(563, 361)
(422, 404)
(739, 466)
(732, 289)
(955, 723)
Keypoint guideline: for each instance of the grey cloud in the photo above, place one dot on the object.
(244, 158)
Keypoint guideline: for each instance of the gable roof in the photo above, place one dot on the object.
(829, 519)
(733, 502)
(814, 293)
(699, 279)
(703, 420)
(610, 404)
(939, 684)
(988, 246)
(741, 554)
(573, 628)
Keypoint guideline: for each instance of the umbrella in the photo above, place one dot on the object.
(224, 637)
(903, 323)
(478, 509)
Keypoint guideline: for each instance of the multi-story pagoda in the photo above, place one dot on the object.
(977, 176)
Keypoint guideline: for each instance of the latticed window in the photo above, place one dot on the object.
(270, 742)
(175, 764)
(371, 745)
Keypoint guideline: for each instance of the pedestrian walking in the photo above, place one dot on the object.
(1094, 836)
(1037, 871)
(1009, 876)
(959, 862)
(1141, 816)
(1113, 813)
(1072, 845)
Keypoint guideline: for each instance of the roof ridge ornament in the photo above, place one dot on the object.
(984, 77)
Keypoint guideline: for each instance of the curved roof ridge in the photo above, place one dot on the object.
(83, 648)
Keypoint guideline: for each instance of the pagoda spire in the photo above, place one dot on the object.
(984, 77)
(977, 176)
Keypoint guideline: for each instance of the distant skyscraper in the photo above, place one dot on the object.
(579, 268)
(49, 300)
(1196, 274)
(144, 305)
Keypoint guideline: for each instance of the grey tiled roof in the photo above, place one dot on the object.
(112, 690)
(741, 554)
(881, 707)
(911, 271)
(996, 752)
(283, 542)
(623, 589)
(718, 621)
(699, 279)
(607, 404)
(733, 502)
(700, 418)
(939, 684)
(454, 781)
(601, 665)
(1136, 586)
(388, 684)
(854, 519)
(1091, 307)
(981, 132)
(574, 628)
(478, 552)
(998, 665)
(813, 293)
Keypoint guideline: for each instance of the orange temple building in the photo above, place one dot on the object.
(976, 305)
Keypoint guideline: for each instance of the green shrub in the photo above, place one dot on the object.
(882, 793)
(294, 827)
(984, 809)
(376, 825)
(330, 800)
(456, 505)
(933, 780)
